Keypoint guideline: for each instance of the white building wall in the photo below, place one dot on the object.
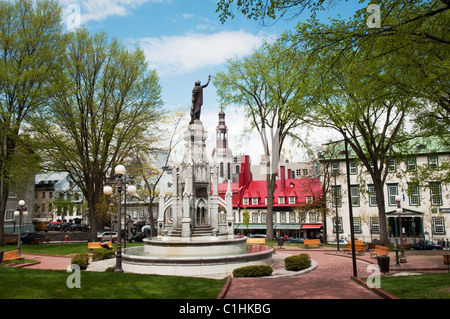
(427, 212)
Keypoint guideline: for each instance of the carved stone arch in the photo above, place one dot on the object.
(201, 212)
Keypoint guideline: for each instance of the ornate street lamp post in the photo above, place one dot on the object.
(120, 183)
(21, 210)
(350, 208)
(399, 211)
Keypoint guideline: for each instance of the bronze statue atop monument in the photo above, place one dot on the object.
(197, 100)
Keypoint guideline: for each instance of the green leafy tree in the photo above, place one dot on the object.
(271, 87)
(30, 42)
(106, 102)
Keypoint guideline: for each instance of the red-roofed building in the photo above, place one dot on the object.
(296, 204)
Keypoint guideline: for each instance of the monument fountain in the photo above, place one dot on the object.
(192, 240)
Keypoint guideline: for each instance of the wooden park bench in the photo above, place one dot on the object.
(379, 251)
(447, 262)
(12, 256)
(41, 240)
(359, 248)
(260, 241)
(312, 242)
(10, 240)
(98, 245)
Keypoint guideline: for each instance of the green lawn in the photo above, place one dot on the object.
(428, 286)
(57, 249)
(21, 283)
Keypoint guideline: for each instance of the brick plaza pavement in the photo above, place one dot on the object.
(332, 277)
(330, 280)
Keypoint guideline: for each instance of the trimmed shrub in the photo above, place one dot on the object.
(82, 260)
(297, 262)
(101, 254)
(253, 271)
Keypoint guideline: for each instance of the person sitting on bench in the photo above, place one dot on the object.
(104, 244)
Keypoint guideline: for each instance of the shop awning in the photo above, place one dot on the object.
(311, 226)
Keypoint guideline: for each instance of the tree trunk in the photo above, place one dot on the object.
(271, 179)
(381, 211)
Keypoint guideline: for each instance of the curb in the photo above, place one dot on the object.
(378, 291)
(224, 290)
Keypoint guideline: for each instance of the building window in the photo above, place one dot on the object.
(413, 194)
(245, 201)
(280, 200)
(339, 225)
(336, 198)
(353, 168)
(375, 225)
(305, 171)
(392, 193)
(263, 217)
(254, 217)
(436, 193)
(255, 201)
(9, 215)
(298, 172)
(302, 218)
(433, 162)
(372, 196)
(438, 226)
(291, 199)
(274, 217)
(357, 225)
(292, 217)
(221, 169)
(309, 199)
(282, 217)
(312, 217)
(354, 191)
(335, 168)
(392, 168)
(411, 164)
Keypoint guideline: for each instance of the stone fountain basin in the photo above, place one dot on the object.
(206, 257)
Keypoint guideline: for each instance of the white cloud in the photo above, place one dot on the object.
(99, 10)
(181, 54)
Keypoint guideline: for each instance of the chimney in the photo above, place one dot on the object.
(245, 176)
(282, 177)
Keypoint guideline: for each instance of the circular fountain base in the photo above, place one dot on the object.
(198, 257)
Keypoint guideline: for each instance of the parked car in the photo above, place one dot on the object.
(108, 235)
(78, 227)
(137, 238)
(66, 226)
(257, 236)
(429, 245)
(295, 240)
(54, 226)
(28, 238)
(341, 242)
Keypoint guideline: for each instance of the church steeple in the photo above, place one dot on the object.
(222, 155)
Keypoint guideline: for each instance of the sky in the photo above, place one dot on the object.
(184, 41)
